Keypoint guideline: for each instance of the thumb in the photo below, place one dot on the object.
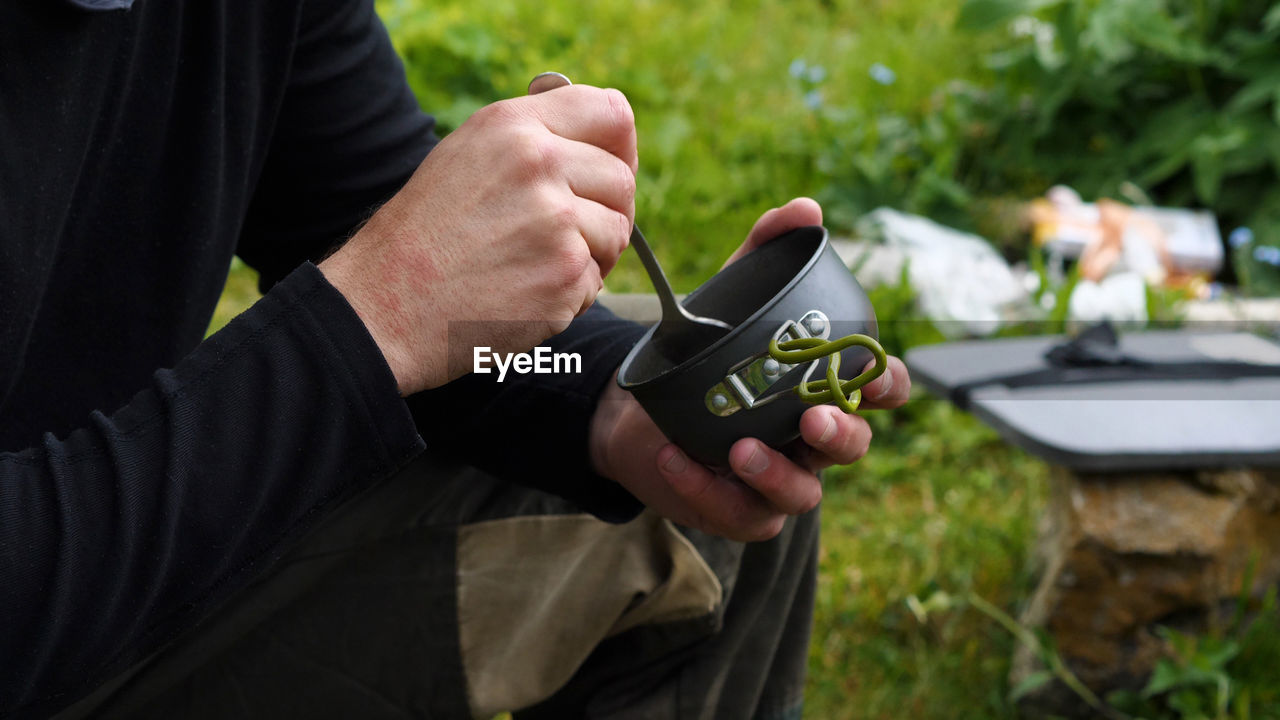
(798, 213)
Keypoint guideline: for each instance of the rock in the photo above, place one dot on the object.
(1124, 554)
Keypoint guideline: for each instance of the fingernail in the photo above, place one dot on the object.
(829, 431)
(675, 464)
(757, 463)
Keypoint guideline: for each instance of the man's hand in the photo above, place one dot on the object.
(515, 216)
(766, 485)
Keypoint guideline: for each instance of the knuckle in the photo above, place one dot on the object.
(694, 494)
(858, 447)
(769, 483)
(623, 232)
(532, 154)
(563, 220)
(589, 284)
(572, 263)
(620, 113)
(767, 529)
(626, 185)
(811, 502)
(499, 113)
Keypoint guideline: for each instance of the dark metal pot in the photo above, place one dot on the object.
(792, 286)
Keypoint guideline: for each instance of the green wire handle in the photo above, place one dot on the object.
(848, 394)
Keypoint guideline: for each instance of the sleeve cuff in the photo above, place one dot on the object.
(534, 429)
(357, 362)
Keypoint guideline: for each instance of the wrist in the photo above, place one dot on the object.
(604, 423)
(355, 284)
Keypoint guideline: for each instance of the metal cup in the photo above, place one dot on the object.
(793, 286)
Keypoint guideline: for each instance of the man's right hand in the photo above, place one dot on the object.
(516, 215)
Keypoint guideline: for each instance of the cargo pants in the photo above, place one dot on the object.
(445, 593)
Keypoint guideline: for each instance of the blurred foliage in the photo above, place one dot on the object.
(952, 112)
(1176, 101)
(730, 96)
(1257, 264)
(240, 291)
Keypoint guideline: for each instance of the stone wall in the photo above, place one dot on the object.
(1124, 554)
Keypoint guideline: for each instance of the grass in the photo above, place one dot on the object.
(940, 508)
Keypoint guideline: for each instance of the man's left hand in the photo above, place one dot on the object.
(766, 485)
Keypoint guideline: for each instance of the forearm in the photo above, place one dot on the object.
(126, 532)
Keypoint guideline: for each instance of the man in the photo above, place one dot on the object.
(258, 531)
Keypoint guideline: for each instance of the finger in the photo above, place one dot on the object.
(890, 390)
(720, 505)
(605, 231)
(590, 285)
(599, 117)
(606, 188)
(798, 213)
(594, 174)
(836, 437)
(787, 486)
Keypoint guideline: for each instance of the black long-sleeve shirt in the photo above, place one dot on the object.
(139, 150)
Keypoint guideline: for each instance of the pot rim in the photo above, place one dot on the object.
(732, 334)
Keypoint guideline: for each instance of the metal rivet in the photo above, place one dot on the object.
(771, 368)
(719, 402)
(815, 324)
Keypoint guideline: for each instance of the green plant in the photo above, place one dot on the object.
(1042, 646)
(1224, 673)
(1178, 98)
(907, 159)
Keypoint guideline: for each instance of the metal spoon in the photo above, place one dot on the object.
(681, 334)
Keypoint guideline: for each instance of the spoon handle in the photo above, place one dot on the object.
(670, 308)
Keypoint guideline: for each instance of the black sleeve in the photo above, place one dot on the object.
(124, 533)
(350, 134)
(533, 428)
(347, 136)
